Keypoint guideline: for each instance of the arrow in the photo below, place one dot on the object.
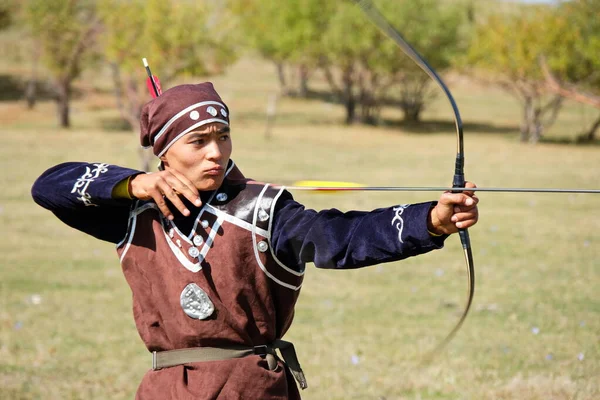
(332, 186)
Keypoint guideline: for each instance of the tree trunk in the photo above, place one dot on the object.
(471, 13)
(63, 112)
(281, 75)
(350, 104)
(527, 122)
(375, 99)
(549, 113)
(413, 96)
(62, 102)
(542, 117)
(412, 111)
(590, 135)
(331, 80)
(303, 77)
(535, 125)
(370, 114)
(536, 134)
(349, 100)
(30, 93)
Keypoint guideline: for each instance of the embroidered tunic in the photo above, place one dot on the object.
(230, 273)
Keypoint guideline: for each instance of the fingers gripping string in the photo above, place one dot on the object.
(458, 181)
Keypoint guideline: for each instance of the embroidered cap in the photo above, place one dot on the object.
(178, 111)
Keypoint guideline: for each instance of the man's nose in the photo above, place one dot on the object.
(214, 151)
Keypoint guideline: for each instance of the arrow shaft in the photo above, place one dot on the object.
(437, 189)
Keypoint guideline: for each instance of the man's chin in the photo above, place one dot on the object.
(209, 184)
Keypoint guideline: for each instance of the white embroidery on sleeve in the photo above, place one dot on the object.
(398, 219)
(81, 184)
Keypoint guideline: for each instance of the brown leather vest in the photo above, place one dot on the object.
(252, 293)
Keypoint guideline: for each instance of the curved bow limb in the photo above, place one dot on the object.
(458, 181)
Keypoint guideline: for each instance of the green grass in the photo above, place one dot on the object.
(359, 334)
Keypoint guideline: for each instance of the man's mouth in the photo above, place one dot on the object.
(215, 171)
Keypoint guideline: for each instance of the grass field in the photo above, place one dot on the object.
(66, 327)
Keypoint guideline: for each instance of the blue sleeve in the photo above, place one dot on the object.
(80, 195)
(354, 239)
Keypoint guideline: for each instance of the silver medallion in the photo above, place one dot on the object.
(198, 240)
(222, 196)
(262, 215)
(194, 115)
(178, 242)
(262, 246)
(204, 224)
(212, 111)
(193, 252)
(224, 112)
(195, 302)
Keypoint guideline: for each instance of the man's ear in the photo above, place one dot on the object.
(163, 160)
(162, 163)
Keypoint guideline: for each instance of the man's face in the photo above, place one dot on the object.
(201, 156)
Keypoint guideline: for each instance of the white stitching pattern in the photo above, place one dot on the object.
(83, 182)
(398, 219)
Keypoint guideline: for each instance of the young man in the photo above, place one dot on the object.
(215, 261)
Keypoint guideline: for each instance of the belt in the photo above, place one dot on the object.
(170, 358)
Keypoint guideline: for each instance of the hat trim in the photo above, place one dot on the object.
(182, 113)
(196, 125)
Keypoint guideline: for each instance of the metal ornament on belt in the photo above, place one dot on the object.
(195, 302)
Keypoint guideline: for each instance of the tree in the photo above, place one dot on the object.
(508, 49)
(361, 65)
(573, 69)
(65, 31)
(372, 68)
(179, 38)
(288, 33)
(433, 28)
(8, 10)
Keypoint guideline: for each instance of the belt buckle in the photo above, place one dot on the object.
(261, 350)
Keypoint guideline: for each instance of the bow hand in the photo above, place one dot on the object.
(454, 211)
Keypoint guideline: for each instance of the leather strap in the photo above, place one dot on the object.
(170, 358)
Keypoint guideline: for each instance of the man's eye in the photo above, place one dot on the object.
(224, 138)
(198, 142)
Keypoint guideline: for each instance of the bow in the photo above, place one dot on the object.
(458, 181)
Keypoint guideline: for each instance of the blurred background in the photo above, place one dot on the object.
(316, 92)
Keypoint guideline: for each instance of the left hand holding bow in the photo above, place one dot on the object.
(454, 211)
